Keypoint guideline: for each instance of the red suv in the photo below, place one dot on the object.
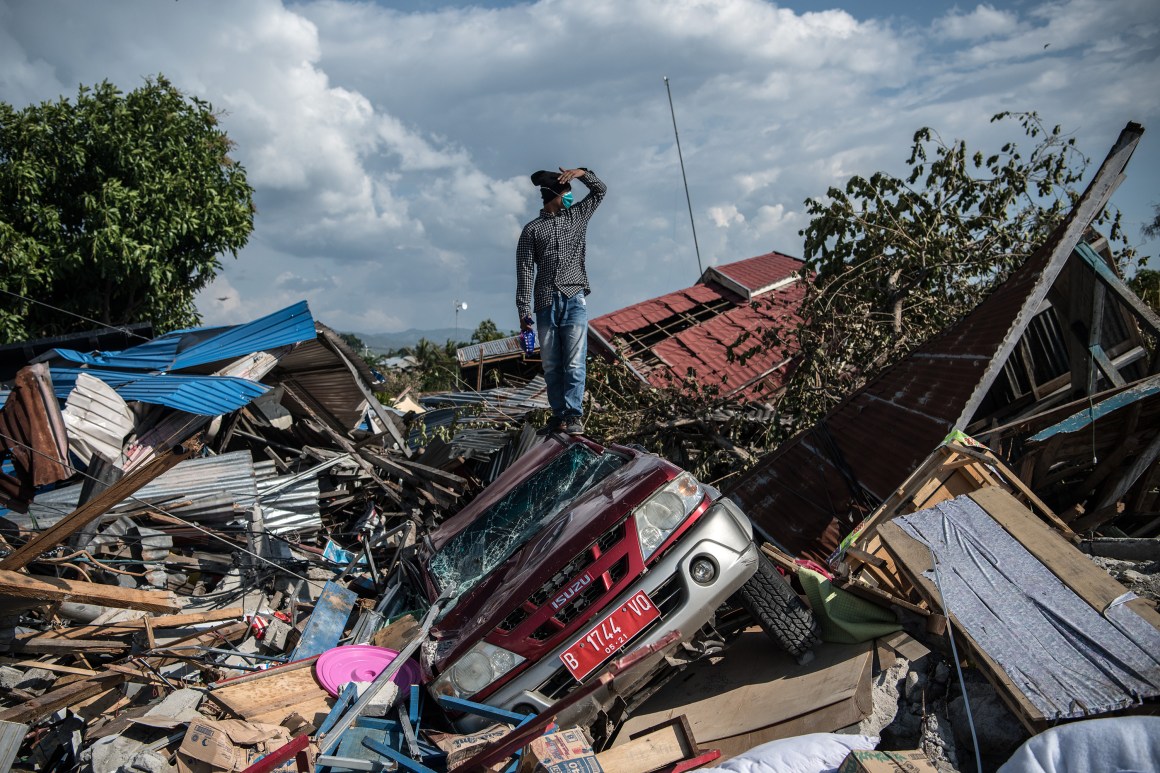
(579, 552)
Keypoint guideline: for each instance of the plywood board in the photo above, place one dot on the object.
(274, 697)
(772, 687)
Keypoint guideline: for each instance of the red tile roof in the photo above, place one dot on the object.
(698, 339)
(756, 274)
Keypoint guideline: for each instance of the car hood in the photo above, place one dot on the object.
(538, 560)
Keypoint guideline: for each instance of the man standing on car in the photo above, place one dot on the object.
(551, 248)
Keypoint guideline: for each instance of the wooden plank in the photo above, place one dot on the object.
(913, 559)
(1125, 482)
(53, 645)
(54, 700)
(1013, 480)
(651, 749)
(95, 508)
(57, 589)
(277, 691)
(878, 596)
(48, 666)
(1064, 560)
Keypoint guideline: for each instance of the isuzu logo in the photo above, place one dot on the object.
(577, 585)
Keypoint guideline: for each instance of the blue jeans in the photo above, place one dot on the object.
(563, 330)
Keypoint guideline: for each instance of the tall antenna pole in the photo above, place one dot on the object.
(683, 178)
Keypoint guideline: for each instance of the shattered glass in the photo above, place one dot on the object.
(470, 555)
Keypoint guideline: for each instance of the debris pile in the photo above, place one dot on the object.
(221, 551)
(206, 504)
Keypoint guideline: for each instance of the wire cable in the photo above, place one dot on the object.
(955, 654)
(124, 330)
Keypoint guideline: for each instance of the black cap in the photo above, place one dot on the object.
(549, 180)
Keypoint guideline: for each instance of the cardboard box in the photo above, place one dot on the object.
(887, 762)
(226, 744)
(566, 751)
(461, 748)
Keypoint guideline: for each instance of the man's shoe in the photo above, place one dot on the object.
(573, 427)
(553, 425)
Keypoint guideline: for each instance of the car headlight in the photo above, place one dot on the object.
(480, 666)
(665, 510)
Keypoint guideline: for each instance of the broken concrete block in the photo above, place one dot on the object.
(36, 680)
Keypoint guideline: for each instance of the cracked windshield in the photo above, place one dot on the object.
(494, 536)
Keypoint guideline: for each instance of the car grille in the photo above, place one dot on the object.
(668, 598)
(612, 541)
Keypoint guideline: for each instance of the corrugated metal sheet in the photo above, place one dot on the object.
(491, 350)
(812, 490)
(288, 505)
(189, 348)
(11, 737)
(48, 508)
(317, 373)
(97, 419)
(703, 348)
(209, 489)
(501, 404)
(203, 395)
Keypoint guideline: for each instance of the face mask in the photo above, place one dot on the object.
(567, 199)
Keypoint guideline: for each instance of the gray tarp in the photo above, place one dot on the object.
(1067, 658)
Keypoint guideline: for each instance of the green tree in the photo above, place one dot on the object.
(438, 367)
(115, 207)
(1146, 284)
(487, 331)
(1152, 230)
(895, 260)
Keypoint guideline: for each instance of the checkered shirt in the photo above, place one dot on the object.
(552, 247)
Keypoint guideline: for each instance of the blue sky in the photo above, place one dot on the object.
(390, 143)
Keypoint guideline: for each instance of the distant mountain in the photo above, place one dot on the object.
(381, 343)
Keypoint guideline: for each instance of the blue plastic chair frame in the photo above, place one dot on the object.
(452, 703)
(404, 762)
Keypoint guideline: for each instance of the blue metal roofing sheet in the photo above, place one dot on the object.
(188, 348)
(203, 395)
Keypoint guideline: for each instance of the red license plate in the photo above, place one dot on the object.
(609, 635)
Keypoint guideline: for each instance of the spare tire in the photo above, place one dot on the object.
(780, 612)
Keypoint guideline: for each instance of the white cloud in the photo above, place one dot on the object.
(726, 216)
(390, 149)
(984, 21)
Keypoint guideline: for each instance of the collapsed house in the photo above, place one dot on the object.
(1060, 329)
(703, 332)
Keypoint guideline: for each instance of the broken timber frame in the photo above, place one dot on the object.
(95, 508)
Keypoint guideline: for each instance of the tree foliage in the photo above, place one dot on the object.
(487, 331)
(1146, 284)
(115, 207)
(895, 260)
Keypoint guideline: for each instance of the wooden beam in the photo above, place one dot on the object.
(95, 508)
(54, 700)
(1101, 513)
(1144, 315)
(57, 589)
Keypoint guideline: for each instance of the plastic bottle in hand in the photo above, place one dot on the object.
(528, 337)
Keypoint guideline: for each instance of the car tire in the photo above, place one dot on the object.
(780, 612)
